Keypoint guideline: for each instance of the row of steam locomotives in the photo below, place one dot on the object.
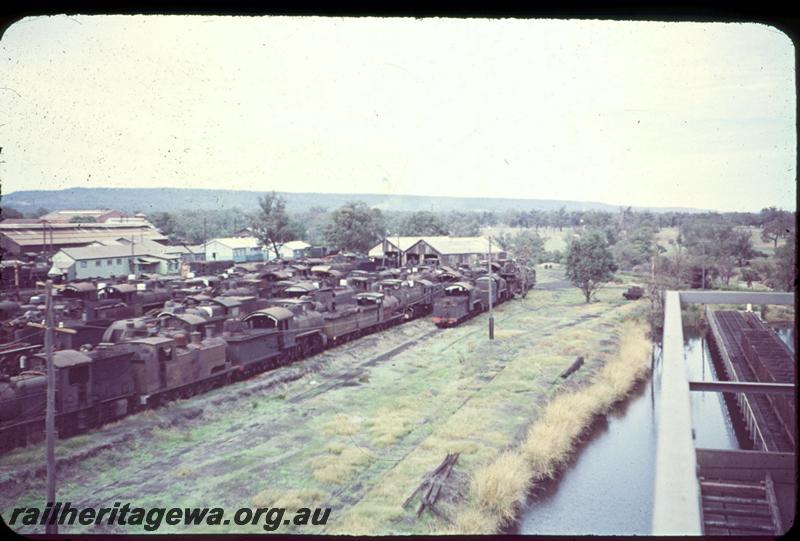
(137, 344)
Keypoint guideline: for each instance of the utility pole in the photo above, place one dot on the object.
(50, 415)
(491, 312)
(204, 237)
(703, 244)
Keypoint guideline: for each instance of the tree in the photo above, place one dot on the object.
(271, 223)
(740, 246)
(560, 218)
(421, 223)
(589, 263)
(528, 246)
(525, 245)
(354, 226)
(785, 273)
(777, 224)
(749, 276)
(463, 224)
(8, 212)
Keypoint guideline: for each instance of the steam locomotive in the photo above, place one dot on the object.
(199, 342)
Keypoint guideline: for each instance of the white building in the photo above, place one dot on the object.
(115, 260)
(294, 249)
(238, 249)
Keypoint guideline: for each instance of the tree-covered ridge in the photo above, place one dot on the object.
(150, 200)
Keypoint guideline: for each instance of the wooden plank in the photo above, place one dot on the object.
(722, 485)
(753, 512)
(723, 458)
(734, 499)
(750, 474)
(733, 490)
(739, 525)
(772, 500)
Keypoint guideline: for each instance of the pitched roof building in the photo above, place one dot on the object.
(441, 250)
(24, 236)
(115, 260)
(239, 249)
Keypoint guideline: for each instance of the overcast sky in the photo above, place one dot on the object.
(637, 113)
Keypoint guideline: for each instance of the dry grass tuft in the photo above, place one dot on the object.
(473, 521)
(338, 468)
(341, 425)
(500, 487)
(292, 499)
(183, 472)
(390, 425)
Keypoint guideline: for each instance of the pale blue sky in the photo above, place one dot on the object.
(636, 113)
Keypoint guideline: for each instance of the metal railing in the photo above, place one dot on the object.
(677, 507)
(750, 421)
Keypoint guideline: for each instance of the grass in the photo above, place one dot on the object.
(361, 448)
(501, 486)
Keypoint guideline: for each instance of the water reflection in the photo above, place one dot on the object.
(786, 334)
(607, 489)
(710, 419)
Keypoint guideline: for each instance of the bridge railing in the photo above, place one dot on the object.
(677, 508)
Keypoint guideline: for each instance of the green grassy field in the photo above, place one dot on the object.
(348, 430)
(671, 233)
(553, 238)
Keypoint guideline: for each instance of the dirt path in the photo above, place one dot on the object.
(352, 428)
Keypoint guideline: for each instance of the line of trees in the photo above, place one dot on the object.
(709, 249)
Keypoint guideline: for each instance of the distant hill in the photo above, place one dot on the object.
(150, 200)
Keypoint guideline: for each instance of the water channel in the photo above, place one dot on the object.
(607, 488)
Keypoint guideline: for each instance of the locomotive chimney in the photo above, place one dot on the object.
(195, 337)
(209, 332)
(180, 340)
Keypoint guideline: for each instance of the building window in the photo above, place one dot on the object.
(119, 261)
(110, 262)
(83, 264)
(97, 263)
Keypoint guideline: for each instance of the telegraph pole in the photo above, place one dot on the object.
(204, 237)
(491, 312)
(50, 415)
(50, 419)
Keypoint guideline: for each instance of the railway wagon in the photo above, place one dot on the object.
(372, 311)
(459, 303)
(415, 296)
(140, 300)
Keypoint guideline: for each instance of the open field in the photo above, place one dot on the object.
(354, 429)
(671, 233)
(554, 240)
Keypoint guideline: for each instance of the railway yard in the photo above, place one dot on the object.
(355, 428)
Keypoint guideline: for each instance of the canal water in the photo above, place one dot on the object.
(607, 489)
